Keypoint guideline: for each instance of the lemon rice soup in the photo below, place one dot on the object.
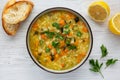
(59, 40)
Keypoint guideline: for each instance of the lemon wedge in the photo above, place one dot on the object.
(99, 11)
(114, 24)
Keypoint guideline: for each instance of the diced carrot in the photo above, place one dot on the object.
(62, 53)
(76, 42)
(83, 54)
(84, 28)
(55, 52)
(70, 16)
(56, 56)
(50, 46)
(36, 43)
(63, 65)
(43, 36)
(66, 50)
(78, 60)
(71, 26)
(80, 23)
(35, 26)
(86, 40)
(62, 17)
(62, 43)
(35, 53)
(70, 34)
(80, 57)
(62, 22)
(48, 58)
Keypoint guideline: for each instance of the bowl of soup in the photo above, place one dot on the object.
(59, 40)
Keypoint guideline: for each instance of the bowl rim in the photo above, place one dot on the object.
(67, 70)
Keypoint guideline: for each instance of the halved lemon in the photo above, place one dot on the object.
(99, 11)
(114, 24)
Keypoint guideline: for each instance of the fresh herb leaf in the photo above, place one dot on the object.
(56, 25)
(72, 47)
(49, 34)
(55, 44)
(58, 50)
(79, 34)
(67, 41)
(111, 62)
(41, 42)
(66, 31)
(47, 50)
(59, 36)
(104, 51)
(75, 28)
(66, 26)
(96, 66)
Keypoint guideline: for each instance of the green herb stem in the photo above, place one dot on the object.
(101, 74)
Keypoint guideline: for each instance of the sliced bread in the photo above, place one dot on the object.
(9, 28)
(17, 12)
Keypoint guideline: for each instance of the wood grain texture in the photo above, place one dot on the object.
(16, 64)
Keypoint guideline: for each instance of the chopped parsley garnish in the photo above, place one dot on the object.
(55, 43)
(66, 31)
(59, 36)
(66, 26)
(56, 25)
(47, 50)
(49, 34)
(67, 41)
(72, 47)
(79, 34)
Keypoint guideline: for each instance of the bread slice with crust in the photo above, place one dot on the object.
(12, 5)
(17, 12)
(10, 29)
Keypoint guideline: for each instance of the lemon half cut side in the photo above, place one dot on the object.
(99, 11)
(114, 24)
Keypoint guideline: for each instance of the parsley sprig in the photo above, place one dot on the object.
(104, 51)
(111, 62)
(96, 66)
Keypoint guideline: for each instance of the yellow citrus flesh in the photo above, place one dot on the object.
(114, 24)
(99, 11)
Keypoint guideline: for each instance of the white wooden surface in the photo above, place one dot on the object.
(16, 64)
